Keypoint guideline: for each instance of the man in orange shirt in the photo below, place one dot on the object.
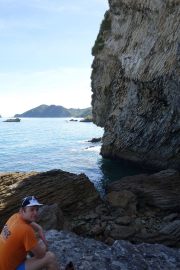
(18, 238)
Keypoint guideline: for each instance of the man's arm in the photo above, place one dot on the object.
(40, 232)
(39, 250)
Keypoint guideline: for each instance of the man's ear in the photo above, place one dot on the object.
(21, 210)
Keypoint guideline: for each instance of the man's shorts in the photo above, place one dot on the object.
(21, 266)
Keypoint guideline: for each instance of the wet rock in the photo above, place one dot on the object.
(95, 140)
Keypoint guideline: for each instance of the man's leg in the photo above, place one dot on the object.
(21, 266)
(48, 261)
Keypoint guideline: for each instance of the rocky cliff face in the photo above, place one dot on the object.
(135, 82)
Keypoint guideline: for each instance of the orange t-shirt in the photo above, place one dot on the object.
(16, 239)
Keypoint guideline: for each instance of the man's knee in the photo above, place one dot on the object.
(50, 257)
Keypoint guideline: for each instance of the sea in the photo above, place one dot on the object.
(42, 144)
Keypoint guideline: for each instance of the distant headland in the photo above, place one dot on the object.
(56, 111)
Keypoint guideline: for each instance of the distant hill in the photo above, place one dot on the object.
(80, 112)
(46, 111)
(55, 111)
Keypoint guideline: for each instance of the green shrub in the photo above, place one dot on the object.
(105, 26)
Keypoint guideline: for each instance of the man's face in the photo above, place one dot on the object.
(30, 213)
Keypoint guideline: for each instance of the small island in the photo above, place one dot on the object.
(87, 119)
(12, 120)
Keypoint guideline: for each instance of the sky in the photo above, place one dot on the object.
(45, 52)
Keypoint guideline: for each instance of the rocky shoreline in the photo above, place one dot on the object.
(89, 254)
(139, 209)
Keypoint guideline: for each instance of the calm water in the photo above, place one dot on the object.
(41, 144)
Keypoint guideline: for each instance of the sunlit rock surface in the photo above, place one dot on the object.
(136, 82)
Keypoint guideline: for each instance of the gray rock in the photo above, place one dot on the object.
(160, 190)
(51, 217)
(172, 229)
(126, 220)
(123, 199)
(170, 217)
(122, 232)
(88, 254)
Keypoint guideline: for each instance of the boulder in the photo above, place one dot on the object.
(95, 140)
(91, 254)
(124, 199)
(51, 217)
(160, 190)
(122, 232)
(156, 219)
(74, 194)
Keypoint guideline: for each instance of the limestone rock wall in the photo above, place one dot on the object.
(136, 82)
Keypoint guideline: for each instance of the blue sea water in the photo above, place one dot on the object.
(41, 144)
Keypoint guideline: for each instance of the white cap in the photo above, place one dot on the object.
(30, 201)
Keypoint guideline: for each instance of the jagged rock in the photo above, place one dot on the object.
(72, 203)
(51, 217)
(95, 140)
(124, 199)
(73, 120)
(168, 235)
(135, 82)
(125, 220)
(157, 195)
(93, 255)
(173, 229)
(170, 217)
(74, 194)
(122, 232)
(161, 190)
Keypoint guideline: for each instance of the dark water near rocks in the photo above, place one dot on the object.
(41, 144)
